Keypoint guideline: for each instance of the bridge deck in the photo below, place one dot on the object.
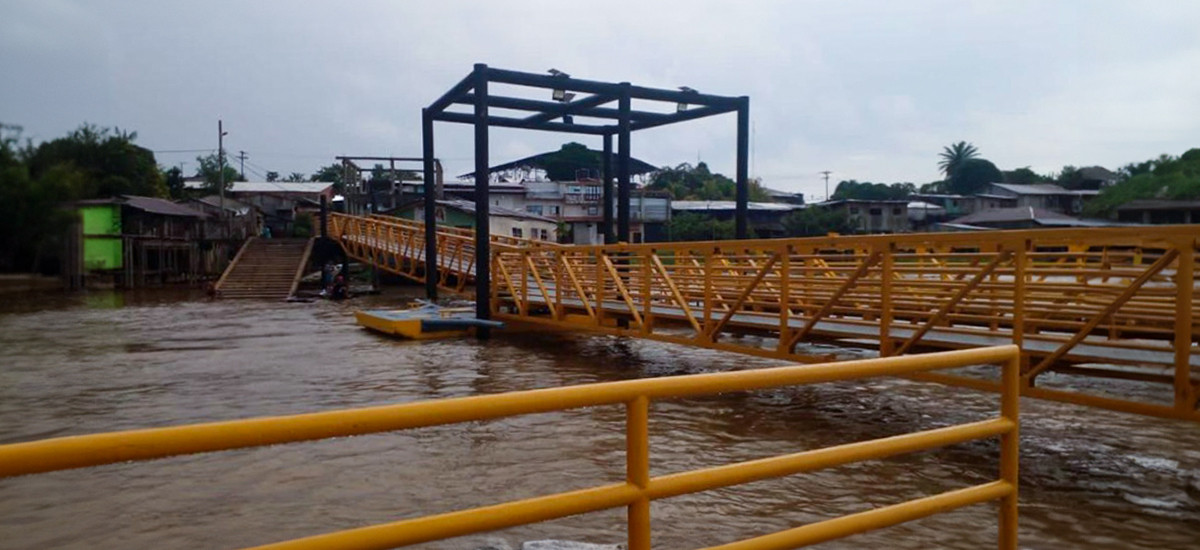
(1098, 302)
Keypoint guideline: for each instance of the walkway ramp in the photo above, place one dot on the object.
(268, 269)
(1102, 303)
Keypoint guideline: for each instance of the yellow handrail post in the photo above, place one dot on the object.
(1020, 264)
(1010, 405)
(637, 470)
(708, 294)
(1184, 283)
(785, 298)
(885, 290)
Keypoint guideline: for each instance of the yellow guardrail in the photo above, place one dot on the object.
(638, 489)
(1075, 300)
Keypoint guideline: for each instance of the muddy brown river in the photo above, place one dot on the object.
(1090, 479)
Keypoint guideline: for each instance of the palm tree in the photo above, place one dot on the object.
(954, 155)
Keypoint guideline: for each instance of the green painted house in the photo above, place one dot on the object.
(132, 241)
(102, 247)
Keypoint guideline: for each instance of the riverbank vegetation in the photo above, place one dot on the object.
(1167, 177)
(37, 181)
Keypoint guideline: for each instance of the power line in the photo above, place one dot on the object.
(183, 150)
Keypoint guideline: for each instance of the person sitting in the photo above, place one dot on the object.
(339, 291)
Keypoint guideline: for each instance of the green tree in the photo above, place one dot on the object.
(563, 165)
(209, 168)
(1167, 177)
(1024, 175)
(954, 155)
(380, 172)
(33, 212)
(333, 173)
(174, 181)
(852, 189)
(935, 187)
(272, 176)
(109, 161)
(687, 182)
(690, 226)
(303, 228)
(296, 176)
(973, 176)
(815, 222)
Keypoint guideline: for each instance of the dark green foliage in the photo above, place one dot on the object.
(209, 169)
(687, 182)
(1024, 176)
(563, 164)
(1166, 177)
(954, 155)
(303, 228)
(39, 183)
(817, 222)
(689, 226)
(272, 176)
(295, 177)
(973, 176)
(873, 191)
(35, 217)
(1070, 178)
(108, 159)
(333, 173)
(379, 172)
(936, 187)
(174, 182)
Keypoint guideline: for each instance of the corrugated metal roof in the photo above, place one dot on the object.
(1030, 214)
(730, 205)
(469, 207)
(279, 187)
(161, 206)
(233, 205)
(149, 204)
(636, 166)
(919, 205)
(493, 210)
(1002, 215)
(1042, 189)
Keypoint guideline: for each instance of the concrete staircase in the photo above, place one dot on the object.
(265, 269)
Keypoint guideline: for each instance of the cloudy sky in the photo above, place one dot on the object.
(868, 89)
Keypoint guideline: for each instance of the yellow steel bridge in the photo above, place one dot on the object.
(1116, 303)
(1109, 303)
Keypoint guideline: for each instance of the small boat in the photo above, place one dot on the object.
(424, 321)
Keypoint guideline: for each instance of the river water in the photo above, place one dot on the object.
(106, 361)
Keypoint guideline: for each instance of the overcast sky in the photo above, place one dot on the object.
(869, 90)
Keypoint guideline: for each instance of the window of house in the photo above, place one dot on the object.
(534, 209)
(876, 211)
(637, 236)
(853, 210)
(516, 232)
(552, 210)
(545, 235)
(896, 211)
(593, 210)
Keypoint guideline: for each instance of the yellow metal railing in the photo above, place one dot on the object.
(639, 488)
(1068, 297)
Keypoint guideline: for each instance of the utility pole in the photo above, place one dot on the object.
(826, 174)
(242, 156)
(221, 164)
